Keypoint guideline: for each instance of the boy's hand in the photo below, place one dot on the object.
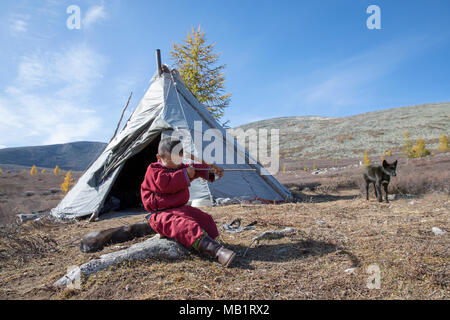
(216, 170)
(190, 171)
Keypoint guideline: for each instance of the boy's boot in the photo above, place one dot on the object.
(215, 250)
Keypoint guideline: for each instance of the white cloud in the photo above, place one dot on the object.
(18, 24)
(93, 15)
(31, 72)
(48, 102)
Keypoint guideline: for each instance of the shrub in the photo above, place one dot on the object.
(419, 150)
(366, 160)
(443, 143)
(407, 146)
(56, 171)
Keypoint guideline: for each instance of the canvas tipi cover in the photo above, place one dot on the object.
(167, 105)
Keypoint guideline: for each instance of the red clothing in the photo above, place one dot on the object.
(168, 190)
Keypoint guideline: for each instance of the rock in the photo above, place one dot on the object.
(45, 193)
(28, 193)
(225, 201)
(127, 288)
(320, 222)
(438, 232)
(55, 190)
(391, 196)
(350, 270)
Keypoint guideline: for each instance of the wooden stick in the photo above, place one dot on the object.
(228, 169)
(120, 120)
(194, 158)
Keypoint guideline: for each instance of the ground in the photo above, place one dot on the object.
(336, 230)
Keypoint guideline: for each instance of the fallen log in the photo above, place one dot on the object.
(153, 247)
(24, 217)
(97, 240)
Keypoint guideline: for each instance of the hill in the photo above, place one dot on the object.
(306, 137)
(69, 156)
(349, 137)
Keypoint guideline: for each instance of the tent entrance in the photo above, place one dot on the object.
(126, 191)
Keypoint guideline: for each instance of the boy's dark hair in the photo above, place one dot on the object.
(166, 146)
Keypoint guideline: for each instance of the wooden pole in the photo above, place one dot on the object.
(120, 120)
(158, 61)
(228, 169)
(194, 158)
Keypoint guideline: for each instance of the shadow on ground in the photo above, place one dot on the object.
(317, 198)
(298, 249)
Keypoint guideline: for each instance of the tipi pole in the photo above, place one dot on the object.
(228, 169)
(158, 61)
(120, 120)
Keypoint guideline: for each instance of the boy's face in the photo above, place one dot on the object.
(171, 161)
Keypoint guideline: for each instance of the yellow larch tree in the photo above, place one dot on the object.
(68, 182)
(33, 170)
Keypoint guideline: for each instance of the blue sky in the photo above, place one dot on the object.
(284, 58)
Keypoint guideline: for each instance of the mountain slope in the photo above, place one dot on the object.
(348, 137)
(69, 156)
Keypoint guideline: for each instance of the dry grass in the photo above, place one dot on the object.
(337, 229)
(332, 237)
(414, 177)
(14, 184)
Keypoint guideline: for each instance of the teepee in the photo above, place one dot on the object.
(167, 106)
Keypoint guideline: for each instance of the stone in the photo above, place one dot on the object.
(350, 270)
(438, 232)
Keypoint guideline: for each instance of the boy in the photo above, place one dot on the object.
(165, 193)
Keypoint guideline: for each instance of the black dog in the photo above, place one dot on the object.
(380, 175)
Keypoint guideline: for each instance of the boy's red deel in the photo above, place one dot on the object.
(167, 189)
